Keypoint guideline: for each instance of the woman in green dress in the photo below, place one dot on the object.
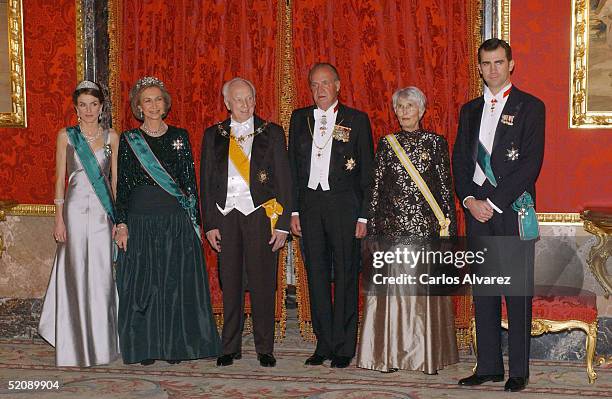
(164, 301)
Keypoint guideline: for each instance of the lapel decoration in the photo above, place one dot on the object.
(262, 176)
(341, 133)
(512, 153)
(507, 119)
(178, 144)
(350, 164)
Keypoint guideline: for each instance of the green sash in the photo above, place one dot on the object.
(484, 161)
(92, 170)
(527, 218)
(157, 172)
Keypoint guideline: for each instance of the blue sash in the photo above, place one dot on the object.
(527, 218)
(154, 168)
(484, 161)
(92, 169)
(93, 172)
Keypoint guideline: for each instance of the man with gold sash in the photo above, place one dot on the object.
(245, 189)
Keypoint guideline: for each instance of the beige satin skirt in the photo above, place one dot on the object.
(407, 333)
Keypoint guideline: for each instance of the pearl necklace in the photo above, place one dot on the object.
(89, 138)
(155, 133)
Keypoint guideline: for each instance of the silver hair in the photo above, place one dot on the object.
(411, 93)
(226, 86)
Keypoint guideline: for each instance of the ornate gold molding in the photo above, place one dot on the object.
(580, 116)
(503, 23)
(557, 218)
(18, 116)
(31, 210)
(600, 226)
(80, 41)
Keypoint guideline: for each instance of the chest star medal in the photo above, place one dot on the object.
(350, 164)
(512, 154)
(262, 176)
(177, 144)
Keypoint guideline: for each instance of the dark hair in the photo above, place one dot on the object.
(492, 45)
(323, 65)
(97, 93)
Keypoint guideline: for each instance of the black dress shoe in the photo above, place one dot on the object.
(390, 370)
(340, 362)
(266, 359)
(480, 379)
(315, 360)
(147, 362)
(515, 384)
(228, 360)
(173, 361)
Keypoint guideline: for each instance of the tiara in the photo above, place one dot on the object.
(148, 81)
(87, 84)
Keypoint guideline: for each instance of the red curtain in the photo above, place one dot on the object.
(27, 156)
(380, 46)
(194, 47)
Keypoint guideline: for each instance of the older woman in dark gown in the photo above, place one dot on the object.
(164, 302)
(402, 330)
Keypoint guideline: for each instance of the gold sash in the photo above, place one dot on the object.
(243, 165)
(239, 159)
(418, 180)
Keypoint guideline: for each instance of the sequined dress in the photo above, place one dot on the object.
(164, 301)
(79, 314)
(401, 330)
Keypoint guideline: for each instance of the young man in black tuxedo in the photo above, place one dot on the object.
(246, 201)
(496, 160)
(331, 154)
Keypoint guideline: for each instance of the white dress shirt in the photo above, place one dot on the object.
(321, 147)
(492, 110)
(238, 191)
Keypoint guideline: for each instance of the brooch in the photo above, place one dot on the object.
(107, 150)
(262, 176)
(424, 157)
(350, 164)
(178, 144)
(512, 153)
(507, 119)
(341, 133)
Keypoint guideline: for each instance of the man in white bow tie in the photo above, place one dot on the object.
(246, 192)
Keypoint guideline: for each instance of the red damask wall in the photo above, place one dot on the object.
(27, 155)
(577, 171)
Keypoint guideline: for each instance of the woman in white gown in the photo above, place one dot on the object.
(79, 315)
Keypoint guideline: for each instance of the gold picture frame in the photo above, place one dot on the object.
(591, 76)
(13, 112)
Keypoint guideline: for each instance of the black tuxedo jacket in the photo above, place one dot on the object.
(523, 132)
(343, 176)
(269, 172)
